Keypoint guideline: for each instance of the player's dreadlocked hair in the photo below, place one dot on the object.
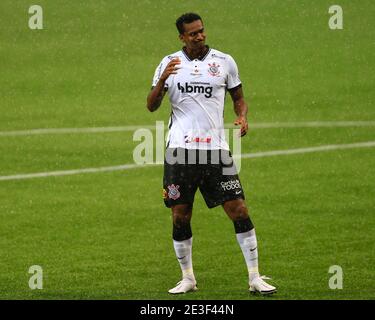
(186, 18)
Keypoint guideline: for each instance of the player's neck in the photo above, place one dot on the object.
(196, 54)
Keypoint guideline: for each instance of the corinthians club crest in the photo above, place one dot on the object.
(213, 69)
(173, 192)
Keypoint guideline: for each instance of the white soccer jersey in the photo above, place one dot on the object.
(197, 94)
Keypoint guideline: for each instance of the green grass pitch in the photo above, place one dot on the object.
(108, 235)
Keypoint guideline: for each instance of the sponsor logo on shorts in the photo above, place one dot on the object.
(173, 192)
(230, 185)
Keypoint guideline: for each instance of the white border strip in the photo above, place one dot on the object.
(264, 125)
(368, 144)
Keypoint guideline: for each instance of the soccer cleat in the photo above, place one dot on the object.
(258, 285)
(183, 286)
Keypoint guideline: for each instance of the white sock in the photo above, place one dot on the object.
(183, 253)
(248, 243)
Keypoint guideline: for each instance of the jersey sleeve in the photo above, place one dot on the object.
(158, 72)
(233, 77)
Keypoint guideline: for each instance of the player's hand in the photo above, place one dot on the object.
(242, 121)
(171, 68)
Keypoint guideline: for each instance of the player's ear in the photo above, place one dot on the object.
(181, 37)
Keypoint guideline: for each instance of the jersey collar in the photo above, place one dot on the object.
(201, 58)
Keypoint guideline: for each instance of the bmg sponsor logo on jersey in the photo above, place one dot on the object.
(230, 185)
(195, 88)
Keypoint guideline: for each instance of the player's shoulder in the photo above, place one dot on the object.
(214, 53)
(169, 57)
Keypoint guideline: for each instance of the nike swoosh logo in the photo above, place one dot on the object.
(253, 249)
(238, 192)
(180, 258)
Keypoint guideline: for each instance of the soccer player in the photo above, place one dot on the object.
(196, 79)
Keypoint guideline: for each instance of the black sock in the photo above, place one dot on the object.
(243, 225)
(182, 232)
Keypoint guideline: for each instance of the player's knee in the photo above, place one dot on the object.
(180, 219)
(241, 220)
(181, 214)
(239, 213)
